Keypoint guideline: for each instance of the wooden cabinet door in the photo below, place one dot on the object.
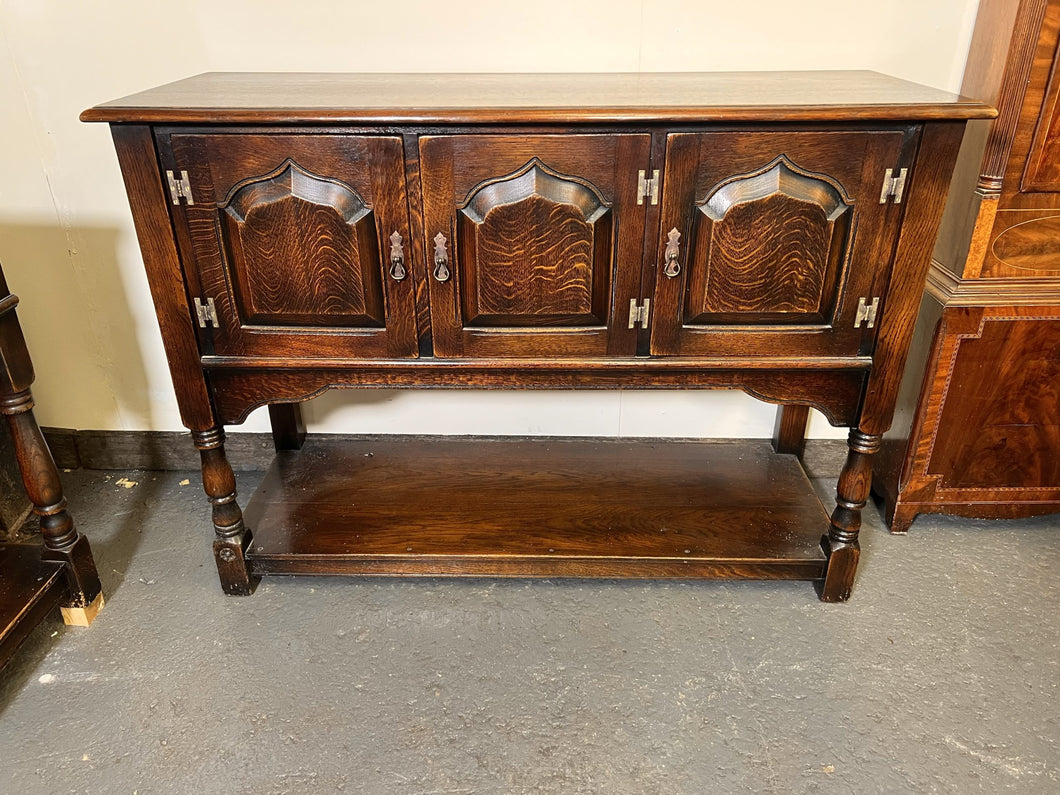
(291, 236)
(769, 240)
(533, 243)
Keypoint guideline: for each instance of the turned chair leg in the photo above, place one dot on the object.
(852, 492)
(231, 537)
(62, 542)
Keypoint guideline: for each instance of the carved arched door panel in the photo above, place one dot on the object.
(533, 243)
(290, 238)
(780, 236)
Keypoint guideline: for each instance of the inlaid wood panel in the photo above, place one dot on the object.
(288, 234)
(768, 248)
(537, 248)
(541, 237)
(781, 235)
(1027, 241)
(1005, 383)
(981, 436)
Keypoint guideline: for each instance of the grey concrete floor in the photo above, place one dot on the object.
(940, 675)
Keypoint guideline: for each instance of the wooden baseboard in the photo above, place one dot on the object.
(253, 452)
(63, 444)
(162, 450)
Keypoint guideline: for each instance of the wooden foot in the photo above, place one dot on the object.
(231, 537)
(852, 492)
(82, 616)
(288, 427)
(82, 581)
(900, 518)
(789, 431)
(842, 564)
(230, 555)
(62, 542)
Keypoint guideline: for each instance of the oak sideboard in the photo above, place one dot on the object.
(769, 232)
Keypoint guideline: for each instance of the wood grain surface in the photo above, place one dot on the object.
(785, 234)
(1004, 382)
(462, 98)
(537, 508)
(834, 392)
(288, 234)
(552, 231)
(976, 430)
(544, 236)
(538, 251)
(774, 258)
(29, 589)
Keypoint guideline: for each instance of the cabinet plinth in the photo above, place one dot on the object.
(678, 231)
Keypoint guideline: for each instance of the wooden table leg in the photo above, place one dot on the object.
(789, 431)
(231, 538)
(852, 492)
(288, 427)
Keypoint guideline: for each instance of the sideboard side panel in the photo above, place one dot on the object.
(925, 199)
(147, 199)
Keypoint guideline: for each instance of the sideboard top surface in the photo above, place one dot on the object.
(275, 97)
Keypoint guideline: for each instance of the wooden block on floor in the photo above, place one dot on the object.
(82, 616)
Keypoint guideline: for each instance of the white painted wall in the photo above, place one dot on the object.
(66, 237)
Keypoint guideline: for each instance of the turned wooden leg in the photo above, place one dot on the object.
(62, 542)
(288, 427)
(231, 538)
(841, 543)
(789, 431)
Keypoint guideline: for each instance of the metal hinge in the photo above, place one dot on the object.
(648, 188)
(207, 313)
(893, 185)
(180, 188)
(866, 312)
(639, 313)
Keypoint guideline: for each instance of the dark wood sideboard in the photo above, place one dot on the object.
(977, 431)
(763, 231)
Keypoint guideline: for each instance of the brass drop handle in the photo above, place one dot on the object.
(397, 258)
(673, 251)
(441, 258)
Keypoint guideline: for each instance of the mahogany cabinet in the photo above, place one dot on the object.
(977, 431)
(768, 232)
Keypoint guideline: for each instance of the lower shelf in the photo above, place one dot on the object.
(29, 589)
(537, 508)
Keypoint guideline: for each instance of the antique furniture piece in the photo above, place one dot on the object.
(768, 232)
(977, 431)
(34, 579)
